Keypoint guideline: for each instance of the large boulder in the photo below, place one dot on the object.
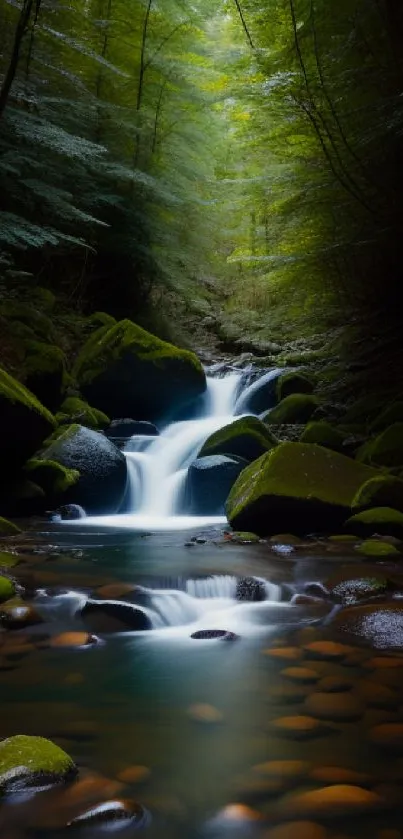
(208, 483)
(32, 761)
(76, 410)
(296, 486)
(383, 520)
(24, 423)
(114, 616)
(122, 429)
(323, 434)
(383, 491)
(259, 396)
(296, 382)
(129, 372)
(101, 485)
(386, 449)
(247, 437)
(391, 414)
(297, 408)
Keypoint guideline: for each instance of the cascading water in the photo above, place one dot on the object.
(157, 466)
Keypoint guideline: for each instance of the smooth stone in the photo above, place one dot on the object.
(283, 768)
(377, 695)
(32, 761)
(73, 639)
(298, 727)
(337, 707)
(285, 653)
(338, 800)
(328, 650)
(114, 616)
(205, 714)
(115, 591)
(214, 634)
(235, 815)
(300, 674)
(339, 775)
(378, 624)
(18, 616)
(388, 735)
(134, 774)
(334, 684)
(296, 830)
(383, 663)
(110, 812)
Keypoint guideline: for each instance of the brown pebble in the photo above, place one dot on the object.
(334, 684)
(286, 653)
(328, 802)
(339, 775)
(388, 735)
(134, 774)
(115, 591)
(73, 639)
(334, 706)
(205, 713)
(377, 695)
(328, 650)
(237, 814)
(300, 674)
(296, 830)
(383, 663)
(299, 727)
(288, 694)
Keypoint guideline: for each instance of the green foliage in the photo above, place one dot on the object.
(8, 528)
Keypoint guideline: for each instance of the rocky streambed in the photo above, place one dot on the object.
(290, 727)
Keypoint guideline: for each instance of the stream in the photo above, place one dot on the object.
(192, 728)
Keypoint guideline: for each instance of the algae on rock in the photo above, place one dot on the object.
(383, 520)
(386, 449)
(323, 434)
(297, 408)
(247, 437)
(382, 491)
(26, 761)
(291, 383)
(76, 410)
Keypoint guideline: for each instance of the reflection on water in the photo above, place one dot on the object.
(136, 713)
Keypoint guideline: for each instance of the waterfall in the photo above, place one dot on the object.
(157, 466)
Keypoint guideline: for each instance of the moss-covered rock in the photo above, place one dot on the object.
(54, 478)
(364, 410)
(44, 298)
(129, 372)
(290, 383)
(30, 761)
(298, 487)
(381, 520)
(102, 469)
(382, 491)
(38, 323)
(45, 372)
(391, 414)
(357, 589)
(8, 560)
(376, 548)
(7, 588)
(75, 410)
(323, 434)
(386, 449)
(297, 408)
(247, 437)
(24, 423)
(98, 319)
(242, 537)
(8, 528)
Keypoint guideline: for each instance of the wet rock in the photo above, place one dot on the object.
(214, 634)
(111, 616)
(299, 727)
(205, 714)
(382, 520)
(32, 761)
(208, 483)
(70, 512)
(115, 591)
(234, 816)
(339, 775)
(340, 800)
(284, 653)
(125, 428)
(381, 625)
(388, 735)
(336, 707)
(377, 548)
(287, 694)
(384, 663)
(250, 589)
(300, 674)
(246, 438)
(73, 639)
(326, 650)
(350, 592)
(244, 538)
(15, 614)
(297, 830)
(334, 684)
(134, 774)
(123, 813)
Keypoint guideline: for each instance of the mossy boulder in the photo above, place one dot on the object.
(7, 588)
(32, 761)
(129, 372)
(386, 449)
(102, 469)
(8, 528)
(9, 560)
(45, 372)
(296, 486)
(75, 410)
(297, 408)
(98, 319)
(208, 483)
(323, 434)
(364, 410)
(290, 383)
(24, 423)
(247, 437)
(382, 491)
(39, 324)
(376, 548)
(54, 478)
(357, 589)
(391, 414)
(383, 520)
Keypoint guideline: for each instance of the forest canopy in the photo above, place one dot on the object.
(213, 148)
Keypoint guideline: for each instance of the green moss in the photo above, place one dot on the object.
(391, 414)
(44, 358)
(54, 478)
(297, 408)
(348, 538)
(383, 520)
(363, 410)
(78, 411)
(305, 487)
(382, 491)
(7, 588)
(323, 434)
(376, 548)
(247, 437)
(101, 319)
(44, 298)
(386, 449)
(15, 393)
(8, 560)
(7, 528)
(63, 432)
(291, 383)
(40, 323)
(244, 538)
(285, 539)
(35, 756)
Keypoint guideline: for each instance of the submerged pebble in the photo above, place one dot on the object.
(205, 714)
(334, 706)
(299, 727)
